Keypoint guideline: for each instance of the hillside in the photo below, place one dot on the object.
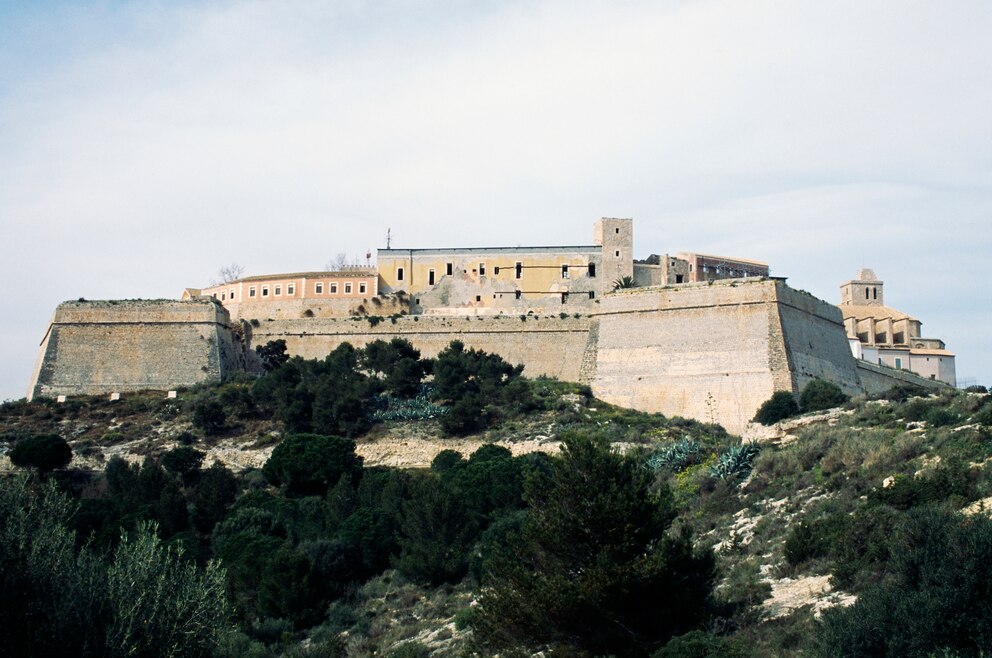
(838, 534)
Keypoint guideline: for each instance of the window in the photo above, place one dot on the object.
(347, 288)
(592, 294)
(223, 296)
(679, 278)
(278, 290)
(318, 288)
(399, 273)
(617, 254)
(430, 277)
(564, 271)
(334, 288)
(519, 271)
(564, 297)
(362, 287)
(231, 294)
(496, 270)
(482, 269)
(450, 269)
(291, 289)
(516, 294)
(874, 293)
(251, 291)
(478, 298)
(898, 364)
(592, 270)
(617, 230)
(265, 291)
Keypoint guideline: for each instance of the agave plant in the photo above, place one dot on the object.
(676, 456)
(735, 461)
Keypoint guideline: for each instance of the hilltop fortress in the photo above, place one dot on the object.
(700, 336)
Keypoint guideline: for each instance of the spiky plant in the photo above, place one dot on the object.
(625, 282)
(676, 456)
(735, 461)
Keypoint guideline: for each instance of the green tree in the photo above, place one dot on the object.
(45, 452)
(209, 415)
(273, 354)
(183, 461)
(819, 395)
(593, 569)
(309, 464)
(781, 405)
(160, 603)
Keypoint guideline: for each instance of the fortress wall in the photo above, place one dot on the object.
(878, 379)
(99, 347)
(699, 351)
(288, 308)
(551, 345)
(815, 342)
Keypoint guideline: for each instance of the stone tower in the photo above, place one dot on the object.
(616, 237)
(864, 290)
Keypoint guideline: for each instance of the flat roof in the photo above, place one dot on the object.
(474, 250)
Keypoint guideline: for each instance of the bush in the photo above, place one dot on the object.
(781, 405)
(182, 460)
(735, 461)
(677, 456)
(45, 452)
(818, 395)
(308, 464)
(209, 415)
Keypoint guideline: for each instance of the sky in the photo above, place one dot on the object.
(145, 145)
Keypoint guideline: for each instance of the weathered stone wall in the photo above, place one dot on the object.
(99, 347)
(546, 345)
(878, 379)
(715, 352)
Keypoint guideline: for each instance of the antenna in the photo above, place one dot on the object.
(389, 237)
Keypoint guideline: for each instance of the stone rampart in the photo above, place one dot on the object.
(546, 345)
(99, 347)
(878, 379)
(715, 352)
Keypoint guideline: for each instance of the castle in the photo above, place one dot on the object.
(700, 336)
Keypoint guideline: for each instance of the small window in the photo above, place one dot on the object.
(291, 289)
(617, 229)
(362, 287)
(399, 273)
(223, 296)
(265, 291)
(482, 269)
(592, 270)
(564, 297)
(516, 294)
(347, 288)
(430, 277)
(449, 269)
(898, 364)
(318, 288)
(592, 294)
(334, 288)
(564, 271)
(231, 294)
(478, 298)
(251, 291)
(679, 278)
(617, 253)
(874, 293)
(278, 290)
(866, 293)
(519, 271)
(496, 270)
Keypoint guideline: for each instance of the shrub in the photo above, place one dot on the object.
(45, 452)
(781, 405)
(818, 395)
(183, 460)
(308, 464)
(209, 415)
(939, 417)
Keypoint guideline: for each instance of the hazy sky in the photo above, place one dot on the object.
(145, 145)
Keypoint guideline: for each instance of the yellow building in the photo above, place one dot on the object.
(491, 280)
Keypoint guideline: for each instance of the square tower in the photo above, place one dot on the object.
(864, 290)
(616, 237)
